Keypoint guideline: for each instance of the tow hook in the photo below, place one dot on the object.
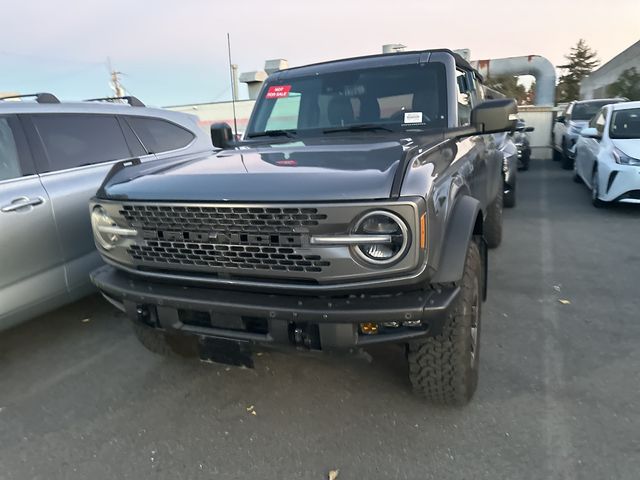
(305, 335)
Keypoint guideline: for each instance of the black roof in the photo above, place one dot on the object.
(460, 62)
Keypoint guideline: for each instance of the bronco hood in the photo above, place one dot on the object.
(313, 170)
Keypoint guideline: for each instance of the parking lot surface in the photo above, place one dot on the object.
(559, 393)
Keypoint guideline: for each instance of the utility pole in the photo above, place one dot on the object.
(115, 83)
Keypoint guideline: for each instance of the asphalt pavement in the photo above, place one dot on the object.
(559, 393)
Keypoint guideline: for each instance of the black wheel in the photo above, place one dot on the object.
(566, 162)
(595, 190)
(493, 222)
(526, 159)
(509, 198)
(159, 342)
(444, 369)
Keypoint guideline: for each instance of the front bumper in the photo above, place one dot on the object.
(288, 320)
(619, 183)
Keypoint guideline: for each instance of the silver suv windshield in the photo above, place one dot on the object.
(586, 111)
(392, 98)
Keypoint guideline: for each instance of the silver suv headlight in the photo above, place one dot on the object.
(106, 231)
(386, 234)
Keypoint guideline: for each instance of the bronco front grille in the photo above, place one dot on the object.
(246, 219)
(226, 256)
(222, 238)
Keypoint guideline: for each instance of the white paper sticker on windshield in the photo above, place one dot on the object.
(412, 117)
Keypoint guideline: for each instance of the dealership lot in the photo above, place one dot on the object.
(558, 395)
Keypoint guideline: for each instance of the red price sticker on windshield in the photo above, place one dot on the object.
(278, 91)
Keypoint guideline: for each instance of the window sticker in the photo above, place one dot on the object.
(278, 91)
(412, 117)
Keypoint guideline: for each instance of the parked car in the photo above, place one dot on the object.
(608, 154)
(356, 211)
(509, 167)
(53, 157)
(567, 127)
(522, 143)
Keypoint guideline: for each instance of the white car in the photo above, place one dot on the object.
(608, 154)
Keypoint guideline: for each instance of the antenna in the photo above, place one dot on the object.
(233, 89)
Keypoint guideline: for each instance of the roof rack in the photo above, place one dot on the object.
(131, 100)
(42, 97)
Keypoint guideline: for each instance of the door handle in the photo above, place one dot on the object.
(21, 202)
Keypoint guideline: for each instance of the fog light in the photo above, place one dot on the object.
(391, 324)
(369, 328)
(412, 323)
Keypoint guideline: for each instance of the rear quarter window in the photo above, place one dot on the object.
(73, 140)
(159, 135)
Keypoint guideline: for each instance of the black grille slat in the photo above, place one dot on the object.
(221, 237)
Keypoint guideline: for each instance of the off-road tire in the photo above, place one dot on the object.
(443, 369)
(493, 223)
(509, 198)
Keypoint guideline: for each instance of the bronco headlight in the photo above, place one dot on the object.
(106, 231)
(385, 237)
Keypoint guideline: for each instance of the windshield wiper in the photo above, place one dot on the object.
(366, 127)
(273, 133)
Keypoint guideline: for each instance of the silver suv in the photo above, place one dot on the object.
(53, 157)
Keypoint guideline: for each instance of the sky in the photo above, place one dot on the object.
(174, 52)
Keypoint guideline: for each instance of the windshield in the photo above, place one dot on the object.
(387, 98)
(586, 111)
(625, 124)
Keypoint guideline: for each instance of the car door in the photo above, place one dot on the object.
(32, 277)
(74, 152)
(473, 148)
(160, 136)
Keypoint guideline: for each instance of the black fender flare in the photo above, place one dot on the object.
(465, 221)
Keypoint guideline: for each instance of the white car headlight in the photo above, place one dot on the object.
(624, 159)
(105, 229)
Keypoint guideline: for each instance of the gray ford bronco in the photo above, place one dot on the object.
(356, 210)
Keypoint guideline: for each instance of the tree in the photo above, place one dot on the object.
(627, 85)
(531, 94)
(508, 85)
(581, 61)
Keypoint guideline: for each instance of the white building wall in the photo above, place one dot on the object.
(595, 85)
(541, 118)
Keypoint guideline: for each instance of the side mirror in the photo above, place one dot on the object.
(221, 135)
(560, 119)
(493, 116)
(590, 132)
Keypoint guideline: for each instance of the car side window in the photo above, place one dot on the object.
(159, 135)
(9, 160)
(74, 140)
(464, 99)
